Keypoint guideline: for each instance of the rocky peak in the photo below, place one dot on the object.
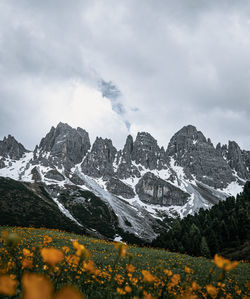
(99, 161)
(67, 146)
(236, 161)
(146, 151)
(125, 167)
(128, 149)
(197, 155)
(186, 138)
(11, 148)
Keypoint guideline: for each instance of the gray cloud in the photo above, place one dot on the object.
(173, 63)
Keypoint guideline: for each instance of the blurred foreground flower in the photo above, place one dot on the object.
(224, 264)
(7, 285)
(36, 286)
(147, 276)
(122, 248)
(52, 256)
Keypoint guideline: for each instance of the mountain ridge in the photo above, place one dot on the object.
(142, 183)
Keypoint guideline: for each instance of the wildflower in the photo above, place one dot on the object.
(120, 291)
(51, 256)
(36, 286)
(7, 285)
(187, 269)
(130, 268)
(147, 276)
(27, 253)
(195, 286)
(128, 289)
(80, 250)
(89, 267)
(224, 264)
(46, 240)
(72, 260)
(119, 279)
(167, 272)
(122, 249)
(27, 263)
(65, 249)
(212, 291)
(147, 295)
(175, 279)
(68, 292)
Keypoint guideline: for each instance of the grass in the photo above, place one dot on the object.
(112, 270)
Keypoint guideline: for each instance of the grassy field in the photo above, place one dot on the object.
(38, 263)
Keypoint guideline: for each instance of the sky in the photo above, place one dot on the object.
(119, 67)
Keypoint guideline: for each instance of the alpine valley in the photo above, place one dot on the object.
(127, 194)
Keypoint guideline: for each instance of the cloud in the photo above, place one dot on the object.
(167, 63)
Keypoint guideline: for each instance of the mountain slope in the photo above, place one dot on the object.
(139, 187)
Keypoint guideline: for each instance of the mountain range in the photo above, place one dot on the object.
(67, 183)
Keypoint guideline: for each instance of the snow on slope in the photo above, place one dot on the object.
(140, 226)
(131, 210)
(18, 169)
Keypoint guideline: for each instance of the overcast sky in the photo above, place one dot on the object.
(171, 63)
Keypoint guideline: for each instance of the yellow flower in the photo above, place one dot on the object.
(89, 267)
(68, 292)
(122, 248)
(147, 276)
(80, 250)
(195, 286)
(7, 285)
(47, 239)
(27, 263)
(175, 279)
(130, 268)
(187, 269)
(120, 291)
(52, 256)
(167, 272)
(128, 289)
(212, 291)
(27, 253)
(72, 260)
(65, 249)
(224, 264)
(36, 286)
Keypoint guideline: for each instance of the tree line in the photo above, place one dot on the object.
(225, 225)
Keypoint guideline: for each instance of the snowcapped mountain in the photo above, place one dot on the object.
(129, 191)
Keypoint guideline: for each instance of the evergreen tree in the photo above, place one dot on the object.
(204, 248)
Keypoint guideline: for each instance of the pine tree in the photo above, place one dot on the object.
(204, 248)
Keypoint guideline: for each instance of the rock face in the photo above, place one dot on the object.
(9, 147)
(236, 161)
(53, 174)
(36, 176)
(125, 167)
(118, 188)
(99, 162)
(183, 179)
(147, 152)
(197, 156)
(63, 146)
(2, 164)
(144, 151)
(154, 190)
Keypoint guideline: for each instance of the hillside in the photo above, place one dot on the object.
(99, 269)
(225, 228)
